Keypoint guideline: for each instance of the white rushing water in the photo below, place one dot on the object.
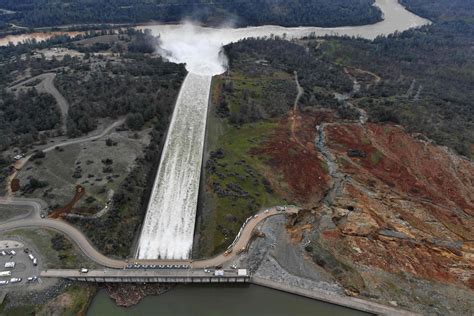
(168, 228)
(169, 223)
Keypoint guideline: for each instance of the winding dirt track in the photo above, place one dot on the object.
(295, 115)
(47, 85)
(22, 162)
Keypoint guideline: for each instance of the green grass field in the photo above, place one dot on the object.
(236, 186)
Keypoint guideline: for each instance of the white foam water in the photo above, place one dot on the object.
(168, 229)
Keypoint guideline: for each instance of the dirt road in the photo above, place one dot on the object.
(22, 162)
(47, 85)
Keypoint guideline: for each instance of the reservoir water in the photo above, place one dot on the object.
(191, 300)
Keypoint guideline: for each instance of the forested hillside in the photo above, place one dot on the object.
(442, 10)
(426, 74)
(35, 13)
(22, 117)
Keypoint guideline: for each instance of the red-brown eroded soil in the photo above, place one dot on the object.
(60, 212)
(408, 207)
(293, 155)
(430, 174)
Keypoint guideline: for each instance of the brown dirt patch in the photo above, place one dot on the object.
(420, 191)
(412, 167)
(60, 212)
(293, 154)
(15, 185)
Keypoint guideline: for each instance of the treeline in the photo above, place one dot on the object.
(36, 13)
(139, 86)
(22, 117)
(261, 82)
(442, 10)
(427, 79)
(289, 57)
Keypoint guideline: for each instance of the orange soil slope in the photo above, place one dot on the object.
(411, 204)
(292, 154)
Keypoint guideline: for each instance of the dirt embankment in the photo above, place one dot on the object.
(292, 154)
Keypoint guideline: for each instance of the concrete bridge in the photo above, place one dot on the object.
(152, 276)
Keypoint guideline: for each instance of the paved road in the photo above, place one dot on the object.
(33, 205)
(92, 253)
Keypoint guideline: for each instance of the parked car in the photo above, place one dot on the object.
(15, 280)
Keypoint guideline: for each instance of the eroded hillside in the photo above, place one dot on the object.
(399, 226)
(406, 205)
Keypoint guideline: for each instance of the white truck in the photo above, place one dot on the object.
(5, 273)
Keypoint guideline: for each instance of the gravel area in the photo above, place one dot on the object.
(276, 258)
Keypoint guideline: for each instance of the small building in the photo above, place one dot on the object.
(242, 272)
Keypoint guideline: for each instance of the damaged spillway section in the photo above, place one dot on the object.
(168, 229)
